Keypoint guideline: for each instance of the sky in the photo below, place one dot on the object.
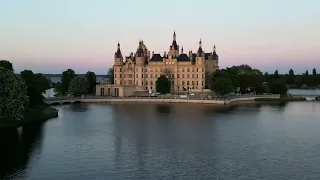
(50, 36)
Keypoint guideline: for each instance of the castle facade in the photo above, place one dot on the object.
(186, 71)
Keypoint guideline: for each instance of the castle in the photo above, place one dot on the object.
(140, 70)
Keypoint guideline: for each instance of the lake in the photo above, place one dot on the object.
(167, 141)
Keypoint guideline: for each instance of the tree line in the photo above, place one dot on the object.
(244, 79)
(19, 93)
(76, 85)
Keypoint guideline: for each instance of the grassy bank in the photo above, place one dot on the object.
(33, 115)
(283, 99)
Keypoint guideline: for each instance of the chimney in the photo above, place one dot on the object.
(152, 53)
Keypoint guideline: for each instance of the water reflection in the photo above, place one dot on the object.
(18, 148)
(168, 141)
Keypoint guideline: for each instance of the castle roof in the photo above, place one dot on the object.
(183, 57)
(174, 45)
(156, 57)
(215, 55)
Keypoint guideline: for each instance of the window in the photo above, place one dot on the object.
(182, 83)
(187, 75)
(202, 83)
(197, 83)
(172, 75)
(115, 76)
(187, 83)
(120, 75)
(146, 83)
(146, 75)
(192, 75)
(192, 83)
(182, 75)
(202, 75)
(197, 69)
(136, 75)
(151, 83)
(187, 69)
(197, 75)
(178, 75)
(150, 75)
(141, 75)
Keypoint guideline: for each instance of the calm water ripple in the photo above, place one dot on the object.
(175, 141)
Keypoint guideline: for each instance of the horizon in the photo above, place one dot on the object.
(50, 37)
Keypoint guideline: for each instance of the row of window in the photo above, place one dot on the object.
(159, 69)
(130, 82)
(178, 88)
(156, 76)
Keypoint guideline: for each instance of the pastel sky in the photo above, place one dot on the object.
(50, 36)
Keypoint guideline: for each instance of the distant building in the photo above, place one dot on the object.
(140, 70)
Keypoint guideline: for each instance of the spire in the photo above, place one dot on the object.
(182, 50)
(174, 35)
(214, 48)
(118, 54)
(200, 43)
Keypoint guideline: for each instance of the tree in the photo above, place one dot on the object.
(78, 86)
(67, 77)
(111, 76)
(290, 77)
(92, 80)
(36, 85)
(276, 74)
(278, 86)
(163, 85)
(291, 72)
(314, 71)
(298, 81)
(13, 95)
(222, 86)
(6, 64)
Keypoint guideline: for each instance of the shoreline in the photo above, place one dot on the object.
(239, 100)
(36, 115)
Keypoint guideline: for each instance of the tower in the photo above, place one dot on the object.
(200, 54)
(118, 59)
(174, 48)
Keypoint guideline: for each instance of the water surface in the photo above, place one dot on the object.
(175, 141)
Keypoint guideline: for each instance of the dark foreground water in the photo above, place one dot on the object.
(176, 141)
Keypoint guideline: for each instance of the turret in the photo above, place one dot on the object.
(214, 53)
(118, 59)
